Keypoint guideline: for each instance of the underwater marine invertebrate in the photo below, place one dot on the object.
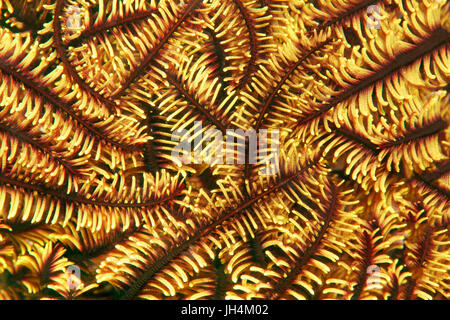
(93, 98)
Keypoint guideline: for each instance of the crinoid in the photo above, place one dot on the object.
(114, 118)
